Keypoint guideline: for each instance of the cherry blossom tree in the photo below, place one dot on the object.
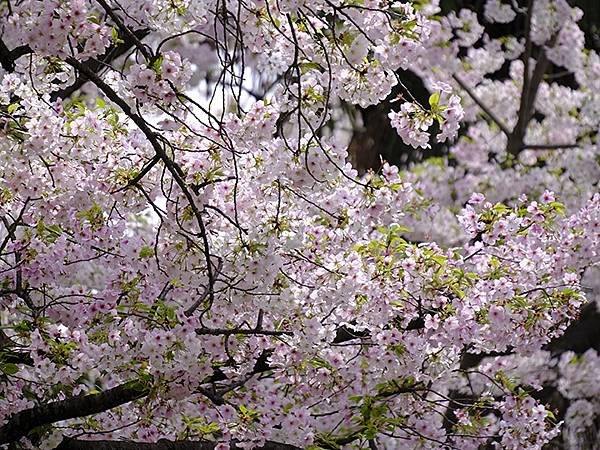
(189, 261)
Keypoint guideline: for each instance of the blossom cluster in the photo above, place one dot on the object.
(412, 121)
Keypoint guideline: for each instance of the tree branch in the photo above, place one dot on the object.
(125, 29)
(174, 169)
(244, 331)
(528, 96)
(488, 112)
(76, 444)
(547, 146)
(113, 52)
(8, 57)
(21, 423)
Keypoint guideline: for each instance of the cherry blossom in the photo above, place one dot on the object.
(187, 255)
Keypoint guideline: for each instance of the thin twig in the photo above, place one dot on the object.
(482, 105)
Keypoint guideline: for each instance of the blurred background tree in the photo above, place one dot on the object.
(374, 140)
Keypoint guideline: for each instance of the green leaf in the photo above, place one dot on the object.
(558, 207)
(10, 368)
(22, 327)
(157, 64)
(308, 66)
(434, 100)
(440, 259)
(320, 363)
(146, 252)
(115, 36)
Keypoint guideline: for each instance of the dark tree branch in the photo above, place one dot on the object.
(531, 84)
(5, 60)
(547, 146)
(21, 423)
(75, 444)
(244, 331)
(94, 65)
(188, 312)
(132, 37)
(488, 112)
(8, 355)
(528, 96)
(174, 169)
(8, 57)
(134, 181)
